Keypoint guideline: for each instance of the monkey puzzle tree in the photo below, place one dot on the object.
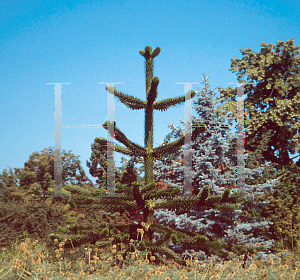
(141, 196)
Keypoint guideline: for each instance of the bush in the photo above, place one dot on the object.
(286, 221)
(283, 208)
(36, 220)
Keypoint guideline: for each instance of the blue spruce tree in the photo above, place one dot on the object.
(208, 154)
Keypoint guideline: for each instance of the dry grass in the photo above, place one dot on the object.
(31, 260)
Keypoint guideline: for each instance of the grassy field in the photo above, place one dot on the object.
(32, 260)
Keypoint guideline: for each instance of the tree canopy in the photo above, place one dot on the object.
(273, 78)
(37, 176)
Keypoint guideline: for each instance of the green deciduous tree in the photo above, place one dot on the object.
(275, 78)
(9, 182)
(130, 174)
(98, 165)
(36, 180)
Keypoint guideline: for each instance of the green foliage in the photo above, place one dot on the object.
(98, 164)
(273, 82)
(273, 90)
(36, 219)
(130, 175)
(283, 209)
(108, 233)
(9, 185)
(36, 180)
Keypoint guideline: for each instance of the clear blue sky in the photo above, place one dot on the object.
(84, 43)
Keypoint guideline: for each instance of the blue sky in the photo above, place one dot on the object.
(87, 42)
